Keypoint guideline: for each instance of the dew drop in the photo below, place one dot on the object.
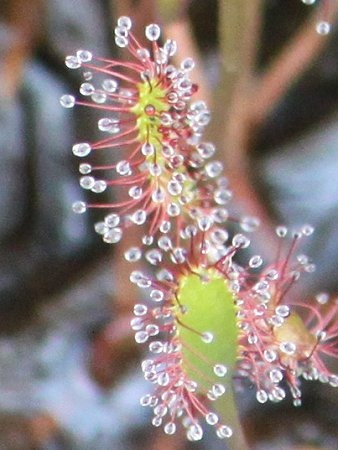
(278, 394)
(155, 170)
(108, 125)
(333, 380)
(156, 295)
(112, 220)
(261, 396)
(136, 323)
(219, 236)
(270, 355)
(288, 348)
(87, 182)
(84, 55)
(204, 118)
(307, 230)
(207, 337)
(156, 347)
(152, 329)
(163, 379)
(157, 421)
(139, 217)
(99, 186)
(272, 275)
(195, 432)
(110, 85)
(249, 224)
(99, 97)
(252, 339)
(240, 241)
(323, 28)
(147, 149)
(276, 375)
(211, 418)
(135, 192)
(88, 75)
(220, 370)
(220, 215)
(154, 256)
(145, 400)
(100, 228)
(281, 231)
(125, 22)
(187, 64)
(218, 390)
(222, 196)
(135, 276)
(164, 242)
(170, 428)
(214, 169)
(147, 240)
(204, 223)
(79, 207)
(121, 41)
(85, 168)
(303, 259)
(141, 337)
(143, 54)
(255, 261)
(72, 62)
(67, 101)
(152, 32)
(113, 236)
(133, 254)
(173, 210)
(170, 47)
(322, 298)
(123, 167)
(224, 432)
(283, 311)
(81, 150)
(140, 310)
(174, 188)
(158, 196)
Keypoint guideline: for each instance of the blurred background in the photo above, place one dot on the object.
(69, 377)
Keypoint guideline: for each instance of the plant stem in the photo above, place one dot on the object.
(228, 410)
(289, 65)
(238, 33)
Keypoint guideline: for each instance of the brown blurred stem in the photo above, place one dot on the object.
(245, 101)
(295, 58)
(232, 122)
(23, 22)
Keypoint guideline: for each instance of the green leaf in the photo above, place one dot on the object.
(207, 306)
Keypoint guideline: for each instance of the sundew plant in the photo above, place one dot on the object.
(209, 323)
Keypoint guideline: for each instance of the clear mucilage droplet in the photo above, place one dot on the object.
(153, 32)
(323, 27)
(85, 168)
(72, 62)
(82, 149)
(125, 22)
(220, 370)
(79, 207)
(67, 101)
(84, 55)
